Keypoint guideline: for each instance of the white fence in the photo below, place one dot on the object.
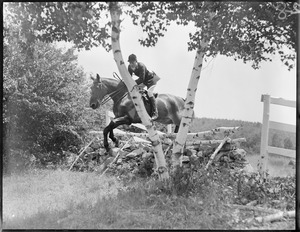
(265, 149)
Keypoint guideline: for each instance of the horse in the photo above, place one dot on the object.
(170, 107)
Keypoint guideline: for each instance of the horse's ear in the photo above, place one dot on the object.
(98, 78)
(92, 77)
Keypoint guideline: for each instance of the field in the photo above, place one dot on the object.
(52, 199)
(58, 199)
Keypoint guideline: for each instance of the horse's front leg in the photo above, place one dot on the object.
(114, 124)
(105, 141)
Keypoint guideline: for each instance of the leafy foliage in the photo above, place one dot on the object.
(43, 95)
(76, 22)
(251, 31)
(273, 191)
(44, 100)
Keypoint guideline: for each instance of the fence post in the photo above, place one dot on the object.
(264, 135)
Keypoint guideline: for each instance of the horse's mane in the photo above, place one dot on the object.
(108, 79)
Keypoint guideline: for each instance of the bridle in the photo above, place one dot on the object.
(114, 93)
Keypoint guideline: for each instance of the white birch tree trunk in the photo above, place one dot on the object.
(115, 12)
(188, 112)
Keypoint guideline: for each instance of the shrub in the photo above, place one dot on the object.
(44, 98)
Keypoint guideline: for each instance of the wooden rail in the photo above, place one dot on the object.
(265, 149)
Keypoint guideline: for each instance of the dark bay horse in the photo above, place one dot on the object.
(169, 107)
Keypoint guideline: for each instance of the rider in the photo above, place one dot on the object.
(146, 77)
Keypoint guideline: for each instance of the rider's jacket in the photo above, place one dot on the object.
(145, 76)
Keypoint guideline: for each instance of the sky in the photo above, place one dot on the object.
(227, 89)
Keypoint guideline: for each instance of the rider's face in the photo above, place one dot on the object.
(133, 64)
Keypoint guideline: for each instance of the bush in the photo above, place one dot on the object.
(44, 100)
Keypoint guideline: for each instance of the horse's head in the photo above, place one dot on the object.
(98, 92)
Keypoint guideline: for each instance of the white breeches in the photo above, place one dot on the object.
(150, 90)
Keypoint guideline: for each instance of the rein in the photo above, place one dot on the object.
(111, 95)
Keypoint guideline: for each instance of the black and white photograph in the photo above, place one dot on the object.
(173, 115)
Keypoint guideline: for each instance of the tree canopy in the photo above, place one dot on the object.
(251, 31)
(76, 22)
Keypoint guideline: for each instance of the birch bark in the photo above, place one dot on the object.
(189, 102)
(188, 107)
(134, 91)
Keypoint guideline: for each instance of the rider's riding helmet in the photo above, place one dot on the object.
(132, 58)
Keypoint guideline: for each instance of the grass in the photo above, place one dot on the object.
(277, 165)
(59, 199)
(68, 200)
(46, 193)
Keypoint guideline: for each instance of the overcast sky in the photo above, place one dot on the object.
(227, 89)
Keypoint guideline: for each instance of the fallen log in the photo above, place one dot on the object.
(81, 153)
(120, 132)
(225, 130)
(139, 140)
(276, 216)
(196, 144)
(216, 151)
(252, 203)
(254, 208)
(214, 141)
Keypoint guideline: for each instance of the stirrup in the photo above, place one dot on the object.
(154, 116)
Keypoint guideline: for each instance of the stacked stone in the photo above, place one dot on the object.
(139, 157)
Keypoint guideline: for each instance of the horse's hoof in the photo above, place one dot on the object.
(106, 146)
(117, 143)
(109, 152)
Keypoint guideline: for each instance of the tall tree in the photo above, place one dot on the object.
(116, 11)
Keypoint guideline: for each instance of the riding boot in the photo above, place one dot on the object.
(154, 108)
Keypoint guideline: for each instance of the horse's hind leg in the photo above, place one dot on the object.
(111, 134)
(109, 130)
(115, 123)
